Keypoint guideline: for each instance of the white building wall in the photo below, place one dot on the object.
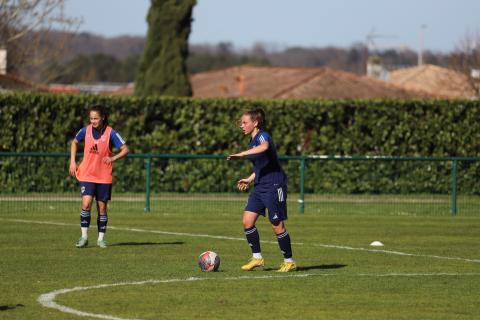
(3, 61)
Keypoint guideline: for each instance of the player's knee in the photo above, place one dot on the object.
(249, 219)
(247, 224)
(278, 227)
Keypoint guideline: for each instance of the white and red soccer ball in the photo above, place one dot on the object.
(209, 261)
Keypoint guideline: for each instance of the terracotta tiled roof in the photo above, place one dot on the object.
(293, 83)
(65, 88)
(127, 90)
(441, 82)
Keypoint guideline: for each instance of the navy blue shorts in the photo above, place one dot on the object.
(101, 191)
(272, 197)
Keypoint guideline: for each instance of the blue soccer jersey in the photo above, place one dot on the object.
(115, 139)
(266, 166)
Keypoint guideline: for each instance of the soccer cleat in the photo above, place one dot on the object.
(253, 263)
(102, 244)
(287, 267)
(82, 243)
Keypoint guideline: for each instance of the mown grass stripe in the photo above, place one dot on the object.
(399, 253)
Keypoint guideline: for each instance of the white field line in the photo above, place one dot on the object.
(183, 234)
(397, 253)
(48, 299)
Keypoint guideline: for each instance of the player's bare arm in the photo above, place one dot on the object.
(255, 150)
(123, 152)
(243, 184)
(73, 155)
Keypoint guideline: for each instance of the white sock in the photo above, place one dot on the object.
(84, 232)
(100, 236)
(288, 260)
(257, 255)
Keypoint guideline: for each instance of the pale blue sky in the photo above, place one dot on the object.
(308, 23)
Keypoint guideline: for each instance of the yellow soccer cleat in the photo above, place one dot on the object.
(287, 267)
(253, 263)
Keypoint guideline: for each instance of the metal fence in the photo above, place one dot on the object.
(325, 184)
(453, 162)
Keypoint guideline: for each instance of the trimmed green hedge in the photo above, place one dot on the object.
(43, 122)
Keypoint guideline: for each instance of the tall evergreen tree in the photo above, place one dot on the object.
(162, 69)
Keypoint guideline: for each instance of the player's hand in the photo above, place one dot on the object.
(236, 156)
(73, 169)
(243, 184)
(107, 160)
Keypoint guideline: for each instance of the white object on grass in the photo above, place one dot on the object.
(376, 244)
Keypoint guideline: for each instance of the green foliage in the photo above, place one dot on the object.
(94, 68)
(162, 68)
(43, 122)
(222, 57)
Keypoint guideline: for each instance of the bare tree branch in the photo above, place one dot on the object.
(466, 59)
(25, 26)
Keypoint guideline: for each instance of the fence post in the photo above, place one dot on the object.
(148, 177)
(301, 197)
(454, 188)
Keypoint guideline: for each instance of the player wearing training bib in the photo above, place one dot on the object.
(269, 191)
(95, 171)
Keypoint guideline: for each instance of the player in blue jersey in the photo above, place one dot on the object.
(269, 191)
(95, 170)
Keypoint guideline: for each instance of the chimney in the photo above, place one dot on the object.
(241, 85)
(3, 61)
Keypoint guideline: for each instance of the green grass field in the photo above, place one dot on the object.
(429, 267)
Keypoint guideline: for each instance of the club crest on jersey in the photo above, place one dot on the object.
(94, 149)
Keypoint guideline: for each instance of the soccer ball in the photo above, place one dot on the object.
(209, 261)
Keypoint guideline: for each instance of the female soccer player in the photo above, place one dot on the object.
(269, 192)
(95, 170)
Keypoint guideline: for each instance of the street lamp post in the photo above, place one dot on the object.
(420, 50)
